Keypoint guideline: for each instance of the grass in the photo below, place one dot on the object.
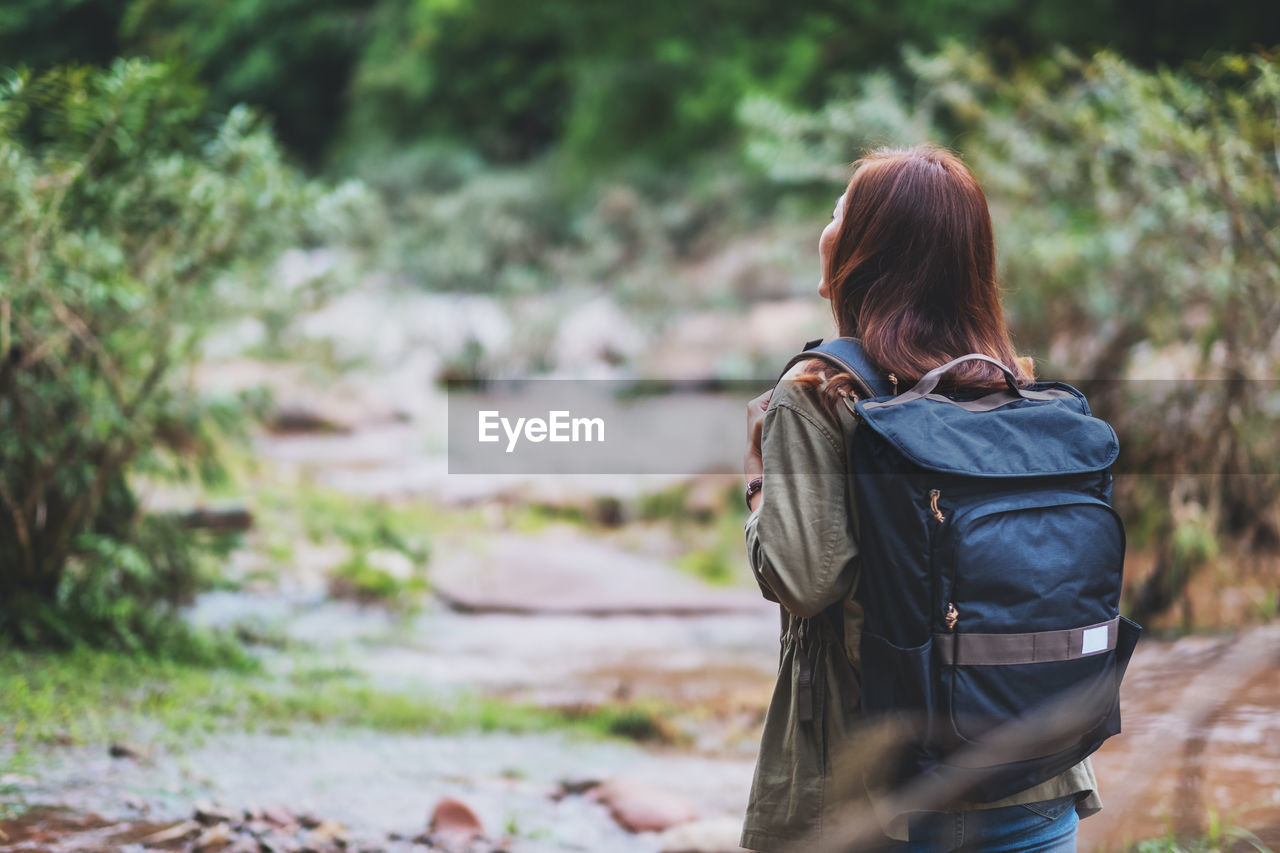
(11, 801)
(531, 517)
(367, 577)
(713, 565)
(1234, 838)
(720, 557)
(1222, 836)
(86, 697)
(387, 545)
(667, 504)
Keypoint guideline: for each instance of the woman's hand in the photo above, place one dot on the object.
(752, 466)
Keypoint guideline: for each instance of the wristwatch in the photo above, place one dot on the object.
(754, 486)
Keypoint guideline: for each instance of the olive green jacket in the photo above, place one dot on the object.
(816, 765)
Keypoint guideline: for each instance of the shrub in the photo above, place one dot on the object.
(134, 222)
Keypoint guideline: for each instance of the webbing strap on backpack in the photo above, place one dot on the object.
(848, 355)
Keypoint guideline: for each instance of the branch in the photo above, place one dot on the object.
(20, 527)
(86, 336)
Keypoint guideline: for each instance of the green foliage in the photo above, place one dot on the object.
(1136, 213)
(713, 565)
(389, 545)
(452, 225)
(720, 559)
(134, 223)
(364, 524)
(609, 86)
(500, 232)
(669, 504)
(516, 80)
(1194, 542)
(385, 577)
(115, 591)
(640, 722)
(495, 74)
(291, 58)
(45, 33)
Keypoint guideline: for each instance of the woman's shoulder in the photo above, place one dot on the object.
(805, 388)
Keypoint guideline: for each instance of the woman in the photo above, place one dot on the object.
(908, 264)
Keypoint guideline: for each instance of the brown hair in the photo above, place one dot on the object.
(912, 272)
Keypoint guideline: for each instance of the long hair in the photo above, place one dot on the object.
(912, 272)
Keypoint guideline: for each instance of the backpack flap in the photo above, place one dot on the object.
(1044, 429)
(1020, 438)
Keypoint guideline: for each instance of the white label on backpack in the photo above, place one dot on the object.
(1093, 640)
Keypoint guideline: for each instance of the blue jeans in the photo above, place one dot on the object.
(1044, 827)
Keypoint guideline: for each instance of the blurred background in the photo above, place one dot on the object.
(244, 605)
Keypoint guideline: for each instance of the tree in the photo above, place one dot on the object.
(133, 223)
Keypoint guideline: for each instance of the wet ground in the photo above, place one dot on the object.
(378, 785)
(1201, 741)
(1201, 717)
(714, 656)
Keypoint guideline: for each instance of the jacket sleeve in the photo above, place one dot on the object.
(800, 541)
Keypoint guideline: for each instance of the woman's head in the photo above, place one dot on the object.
(908, 262)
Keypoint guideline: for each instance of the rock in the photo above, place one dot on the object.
(213, 839)
(777, 325)
(219, 519)
(559, 572)
(277, 842)
(211, 813)
(642, 808)
(244, 845)
(329, 835)
(258, 828)
(715, 835)
(595, 337)
(569, 787)
(279, 816)
(394, 563)
(120, 749)
(17, 780)
(453, 820)
(178, 832)
(298, 418)
(723, 342)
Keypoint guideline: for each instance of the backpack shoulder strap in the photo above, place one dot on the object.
(847, 354)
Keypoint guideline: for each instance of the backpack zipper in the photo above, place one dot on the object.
(845, 395)
(951, 615)
(934, 494)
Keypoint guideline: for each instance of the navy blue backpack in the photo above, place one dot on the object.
(991, 570)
